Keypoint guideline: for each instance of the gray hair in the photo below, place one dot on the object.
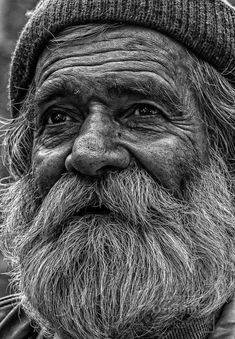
(215, 97)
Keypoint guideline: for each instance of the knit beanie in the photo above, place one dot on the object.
(206, 27)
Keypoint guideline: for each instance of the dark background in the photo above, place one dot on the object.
(12, 19)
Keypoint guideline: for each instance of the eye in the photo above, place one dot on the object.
(142, 110)
(54, 117)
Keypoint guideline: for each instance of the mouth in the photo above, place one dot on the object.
(91, 210)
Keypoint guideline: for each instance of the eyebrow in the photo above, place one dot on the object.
(144, 87)
(147, 88)
(51, 89)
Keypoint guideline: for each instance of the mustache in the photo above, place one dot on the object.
(131, 196)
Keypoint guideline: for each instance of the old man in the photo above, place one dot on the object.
(119, 220)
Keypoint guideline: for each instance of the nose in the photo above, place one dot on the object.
(96, 150)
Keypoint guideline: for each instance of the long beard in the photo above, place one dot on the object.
(134, 271)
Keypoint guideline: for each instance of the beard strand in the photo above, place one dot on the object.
(153, 259)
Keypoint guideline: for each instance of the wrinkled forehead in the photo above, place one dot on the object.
(132, 36)
(85, 41)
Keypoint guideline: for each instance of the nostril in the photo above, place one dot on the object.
(96, 161)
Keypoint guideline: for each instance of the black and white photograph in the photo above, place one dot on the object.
(117, 169)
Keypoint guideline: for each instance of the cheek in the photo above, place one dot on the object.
(48, 166)
(170, 161)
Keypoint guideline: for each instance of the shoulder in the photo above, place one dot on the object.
(14, 323)
(7, 303)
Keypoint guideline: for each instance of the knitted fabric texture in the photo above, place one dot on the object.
(206, 27)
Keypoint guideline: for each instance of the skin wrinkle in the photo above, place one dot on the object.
(137, 43)
(112, 82)
(62, 86)
(160, 47)
(98, 68)
(148, 133)
(178, 121)
(181, 133)
(129, 88)
(98, 54)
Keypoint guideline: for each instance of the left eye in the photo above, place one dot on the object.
(57, 117)
(145, 110)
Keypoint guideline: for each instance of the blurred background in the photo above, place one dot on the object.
(13, 16)
(12, 19)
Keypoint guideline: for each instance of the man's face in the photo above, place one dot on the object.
(109, 102)
(123, 223)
